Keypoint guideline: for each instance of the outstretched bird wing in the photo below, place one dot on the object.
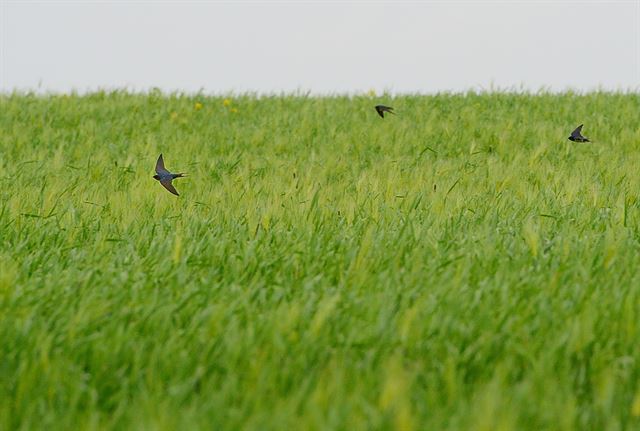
(160, 169)
(167, 185)
(577, 133)
(381, 109)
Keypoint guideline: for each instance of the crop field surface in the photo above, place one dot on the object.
(458, 266)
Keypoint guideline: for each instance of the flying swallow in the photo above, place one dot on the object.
(165, 177)
(576, 135)
(381, 109)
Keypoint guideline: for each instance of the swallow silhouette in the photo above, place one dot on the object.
(165, 177)
(381, 109)
(576, 135)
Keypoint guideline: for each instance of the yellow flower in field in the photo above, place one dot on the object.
(174, 115)
(198, 106)
(234, 110)
(226, 102)
(371, 93)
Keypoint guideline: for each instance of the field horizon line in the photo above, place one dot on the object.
(372, 93)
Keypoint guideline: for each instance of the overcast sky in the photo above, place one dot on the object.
(322, 47)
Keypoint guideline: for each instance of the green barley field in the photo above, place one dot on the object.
(458, 266)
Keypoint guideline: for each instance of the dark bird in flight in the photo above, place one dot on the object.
(381, 109)
(165, 177)
(576, 135)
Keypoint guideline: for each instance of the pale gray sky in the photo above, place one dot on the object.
(322, 47)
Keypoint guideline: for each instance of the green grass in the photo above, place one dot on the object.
(459, 266)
